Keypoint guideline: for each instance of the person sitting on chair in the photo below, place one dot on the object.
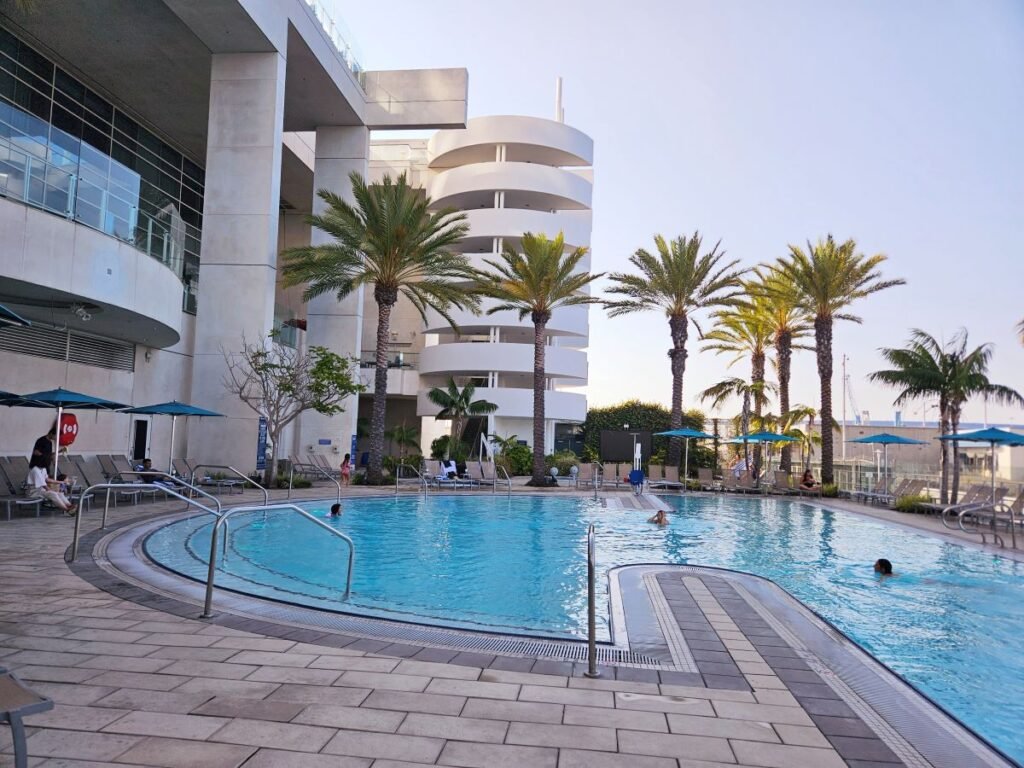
(807, 482)
(40, 486)
(449, 469)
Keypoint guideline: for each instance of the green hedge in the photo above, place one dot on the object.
(646, 417)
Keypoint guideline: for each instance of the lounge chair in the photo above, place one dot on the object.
(706, 478)
(671, 479)
(182, 469)
(746, 484)
(877, 490)
(10, 494)
(124, 473)
(16, 702)
(610, 471)
(93, 476)
(881, 495)
(320, 460)
(474, 472)
(781, 484)
(976, 494)
(305, 468)
(587, 475)
(107, 465)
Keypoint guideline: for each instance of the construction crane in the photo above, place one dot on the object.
(853, 401)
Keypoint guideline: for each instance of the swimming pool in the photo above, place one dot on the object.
(950, 621)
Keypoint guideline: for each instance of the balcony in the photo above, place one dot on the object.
(525, 185)
(463, 358)
(527, 139)
(403, 376)
(518, 404)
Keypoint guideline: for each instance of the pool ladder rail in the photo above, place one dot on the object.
(983, 520)
(222, 521)
(398, 477)
(245, 478)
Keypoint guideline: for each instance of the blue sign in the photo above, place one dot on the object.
(353, 451)
(261, 445)
(324, 441)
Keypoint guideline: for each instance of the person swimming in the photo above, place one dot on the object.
(883, 567)
(660, 518)
(335, 510)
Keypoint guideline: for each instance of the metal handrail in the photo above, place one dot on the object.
(211, 572)
(120, 486)
(168, 476)
(334, 480)
(993, 521)
(592, 670)
(423, 480)
(246, 478)
(508, 479)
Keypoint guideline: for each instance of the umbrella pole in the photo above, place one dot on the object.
(170, 453)
(885, 458)
(686, 462)
(56, 452)
(993, 497)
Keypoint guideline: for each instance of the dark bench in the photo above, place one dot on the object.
(17, 701)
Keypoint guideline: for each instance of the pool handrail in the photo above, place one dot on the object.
(423, 480)
(991, 520)
(175, 481)
(246, 478)
(330, 477)
(592, 670)
(223, 519)
(508, 479)
(116, 486)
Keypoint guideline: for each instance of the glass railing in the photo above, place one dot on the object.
(338, 34)
(396, 359)
(52, 187)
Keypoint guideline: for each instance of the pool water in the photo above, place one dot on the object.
(950, 621)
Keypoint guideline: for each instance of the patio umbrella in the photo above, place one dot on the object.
(9, 317)
(885, 439)
(689, 434)
(62, 400)
(993, 436)
(174, 409)
(765, 436)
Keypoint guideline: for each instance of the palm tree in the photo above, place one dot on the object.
(748, 391)
(536, 282)
(926, 368)
(806, 439)
(392, 240)
(743, 331)
(789, 323)
(830, 276)
(678, 281)
(404, 437)
(458, 406)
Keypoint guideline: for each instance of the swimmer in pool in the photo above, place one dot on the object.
(335, 510)
(660, 518)
(883, 567)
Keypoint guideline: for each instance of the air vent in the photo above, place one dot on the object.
(53, 344)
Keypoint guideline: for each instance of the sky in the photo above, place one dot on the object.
(899, 124)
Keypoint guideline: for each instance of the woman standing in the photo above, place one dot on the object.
(346, 469)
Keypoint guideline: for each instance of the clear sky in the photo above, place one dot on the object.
(900, 124)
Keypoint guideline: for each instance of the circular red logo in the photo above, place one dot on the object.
(68, 429)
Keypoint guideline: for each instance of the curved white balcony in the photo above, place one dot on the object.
(485, 224)
(518, 404)
(462, 357)
(568, 321)
(527, 139)
(525, 185)
(50, 266)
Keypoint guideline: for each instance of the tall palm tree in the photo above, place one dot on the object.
(926, 368)
(536, 282)
(743, 330)
(679, 280)
(830, 277)
(392, 240)
(458, 406)
(789, 324)
(748, 392)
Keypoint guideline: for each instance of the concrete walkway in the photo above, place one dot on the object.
(137, 686)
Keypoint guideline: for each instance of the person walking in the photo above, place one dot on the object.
(346, 469)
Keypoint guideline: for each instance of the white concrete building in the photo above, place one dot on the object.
(510, 175)
(154, 159)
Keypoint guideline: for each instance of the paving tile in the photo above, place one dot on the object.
(435, 670)
(254, 709)
(180, 753)
(154, 701)
(751, 730)
(197, 640)
(361, 663)
(575, 758)
(680, 705)
(456, 728)
(56, 674)
(107, 635)
(246, 643)
(167, 724)
(782, 698)
(112, 649)
(288, 736)
(522, 678)
(582, 697)
(843, 726)
(217, 687)
(50, 742)
(826, 707)
(150, 682)
(674, 677)
(47, 658)
(853, 748)
(273, 758)
(320, 694)
(387, 681)
(302, 676)
(633, 719)
(385, 745)
(602, 684)
(66, 762)
(477, 689)
(522, 711)
(69, 693)
(223, 670)
(470, 755)
(671, 745)
(74, 718)
(164, 627)
(431, 703)
(763, 712)
(352, 718)
(785, 756)
(272, 658)
(714, 694)
(176, 652)
(511, 664)
(126, 663)
(801, 735)
(770, 682)
(573, 736)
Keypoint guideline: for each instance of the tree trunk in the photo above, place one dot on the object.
(374, 470)
(823, 342)
(678, 327)
(757, 377)
(745, 426)
(540, 320)
(270, 471)
(784, 353)
(955, 424)
(944, 454)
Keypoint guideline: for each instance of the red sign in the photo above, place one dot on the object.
(68, 429)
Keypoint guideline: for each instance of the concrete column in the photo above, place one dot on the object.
(337, 325)
(239, 244)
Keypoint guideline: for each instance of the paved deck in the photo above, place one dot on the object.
(137, 685)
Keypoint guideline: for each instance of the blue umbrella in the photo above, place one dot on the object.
(688, 434)
(993, 436)
(174, 409)
(766, 437)
(9, 317)
(62, 400)
(885, 439)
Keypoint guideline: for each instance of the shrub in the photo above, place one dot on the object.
(830, 490)
(563, 460)
(911, 503)
(297, 482)
(439, 447)
(516, 459)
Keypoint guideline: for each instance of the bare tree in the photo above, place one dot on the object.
(279, 383)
